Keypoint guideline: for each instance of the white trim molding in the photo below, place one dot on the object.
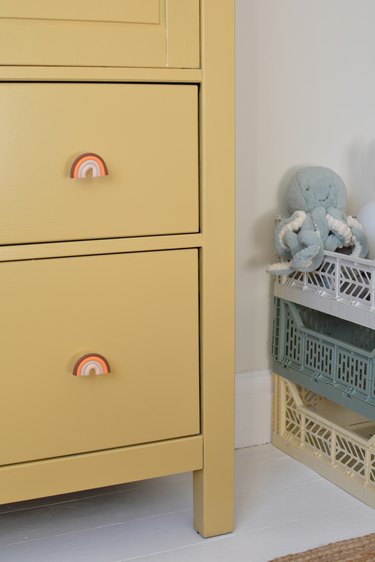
(253, 408)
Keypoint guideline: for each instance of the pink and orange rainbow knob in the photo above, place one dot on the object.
(87, 162)
(91, 363)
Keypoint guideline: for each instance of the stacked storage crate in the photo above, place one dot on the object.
(324, 365)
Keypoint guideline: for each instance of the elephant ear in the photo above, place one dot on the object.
(296, 198)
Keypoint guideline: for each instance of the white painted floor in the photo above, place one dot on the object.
(281, 507)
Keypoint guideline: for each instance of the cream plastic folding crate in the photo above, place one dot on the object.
(334, 441)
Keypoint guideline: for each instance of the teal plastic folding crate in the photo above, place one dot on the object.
(330, 356)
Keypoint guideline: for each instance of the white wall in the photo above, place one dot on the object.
(305, 95)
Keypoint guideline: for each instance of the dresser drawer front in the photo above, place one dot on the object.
(114, 11)
(96, 33)
(139, 311)
(147, 135)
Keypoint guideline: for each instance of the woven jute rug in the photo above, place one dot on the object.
(361, 549)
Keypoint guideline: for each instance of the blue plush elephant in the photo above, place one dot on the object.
(316, 199)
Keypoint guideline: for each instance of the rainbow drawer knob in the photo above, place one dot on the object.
(89, 161)
(91, 363)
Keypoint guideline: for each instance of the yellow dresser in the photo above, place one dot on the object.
(117, 247)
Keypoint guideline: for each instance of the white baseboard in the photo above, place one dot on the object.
(253, 408)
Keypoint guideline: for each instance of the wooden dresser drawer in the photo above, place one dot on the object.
(139, 311)
(151, 33)
(147, 135)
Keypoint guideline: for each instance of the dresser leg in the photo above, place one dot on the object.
(213, 497)
(213, 485)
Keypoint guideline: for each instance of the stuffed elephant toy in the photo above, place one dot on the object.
(316, 201)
